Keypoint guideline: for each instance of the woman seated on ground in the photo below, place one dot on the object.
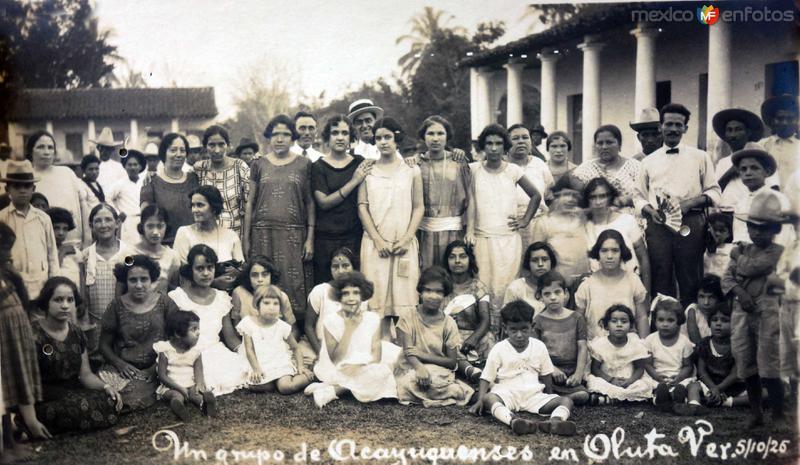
(131, 325)
(75, 399)
(207, 204)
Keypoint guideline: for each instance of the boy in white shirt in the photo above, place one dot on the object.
(520, 369)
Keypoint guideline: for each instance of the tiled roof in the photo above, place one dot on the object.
(51, 104)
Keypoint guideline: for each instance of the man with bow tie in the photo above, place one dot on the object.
(685, 174)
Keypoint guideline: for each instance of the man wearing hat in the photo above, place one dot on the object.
(247, 150)
(648, 132)
(781, 114)
(195, 153)
(754, 166)
(110, 168)
(152, 161)
(363, 114)
(124, 194)
(34, 254)
(305, 124)
(537, 135)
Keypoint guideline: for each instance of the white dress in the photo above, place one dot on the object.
(519, 289)
(390, 205)
(124, 197)
(539, 174)
(223, 241)
(180, 366)
(270, 347)
(366, 380)
(626, 225)
(224, 370)
(167, 260)
(63, 189)
(321, 301)
(618, 362)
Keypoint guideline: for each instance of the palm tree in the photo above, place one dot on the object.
(424, 27)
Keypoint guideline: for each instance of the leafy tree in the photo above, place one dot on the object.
(425, 27)
(550, 14)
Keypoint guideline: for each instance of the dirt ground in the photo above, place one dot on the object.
(270, 428)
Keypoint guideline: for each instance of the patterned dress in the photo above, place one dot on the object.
(279, 223)
(444, 183)
(232, 184)
(67, 405)
(462, 305)
(623, 179)
(19, 371)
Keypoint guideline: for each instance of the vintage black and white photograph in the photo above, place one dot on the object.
(421, 232)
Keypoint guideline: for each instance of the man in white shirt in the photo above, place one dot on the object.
(738, 129)
(781, 115)
(110, 168)
(685, 175)
(306, 126)
(364, 114)
(124, 194)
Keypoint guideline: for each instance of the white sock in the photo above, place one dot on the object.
(560, 412)
(502, 413)
(728, 402)
(695, 402)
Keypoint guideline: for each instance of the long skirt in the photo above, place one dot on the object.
(395, 278)
(498, 260)
(445, 389)
(20, 380)
(137, 394)
(285, 248)
(74, 408)
(432, 245)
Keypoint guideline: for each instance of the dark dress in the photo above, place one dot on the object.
(134, 335)
(20, 371)
(68, 405)
(340, 225)
(174, 199)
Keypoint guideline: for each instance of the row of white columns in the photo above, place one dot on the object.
(719, 73)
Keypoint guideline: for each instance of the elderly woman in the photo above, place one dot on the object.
(131, 325)
(59, 184)
(621, 172)
(207, 206)
(559, 147)
(229, 175)
(598, 197)
(334, 180)
(492, 221)
(445, 188)
(281, 215)
(170, 189)
(75, 399)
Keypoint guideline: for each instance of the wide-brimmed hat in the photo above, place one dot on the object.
(540, 129)
(106, 138)
(750, 120)
(136, 152)
(245, 143)
(194, 142)
(766, 207)
(150, 150)
(763, 157)
(362, 106)
(646, 119)
(20, 172)
(780, 102)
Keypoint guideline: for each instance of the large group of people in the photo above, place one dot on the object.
(506, 280)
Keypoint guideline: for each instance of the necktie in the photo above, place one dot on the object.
(305, 153)
(672, 150)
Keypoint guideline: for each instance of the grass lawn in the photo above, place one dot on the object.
(253, 422)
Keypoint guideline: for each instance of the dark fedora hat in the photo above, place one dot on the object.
(780, 102)
(245, 143)
(748, 118)
(540, 129)
(763, 157)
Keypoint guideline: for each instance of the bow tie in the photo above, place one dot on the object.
(673, 150)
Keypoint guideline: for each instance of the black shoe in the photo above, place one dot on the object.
(663, 399)
(522, 426)
(209, 404)
(558, 427)
(679, 394)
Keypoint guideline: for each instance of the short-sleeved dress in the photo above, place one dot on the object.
(618, 362)
(624, 179)
(668, 360)
(444, 186)
(389, 193)
(225, 242)
(626, 225)
(223, 369)
(19, 370)
(67, 405)
(242, 301)
(174, 199)
(598, 292)
(434, 339)
(321, 301)
(340, 225)
(167, 259)
(232, 184)
(566, 235)
(357, 372)
(133, 337)
(100, 285)
(180, 365)
(462, 305)
(539, 174)
(279, 223)
(561, 336)
(521, 289)
(702, 324)
(271, 349)
(719, 365)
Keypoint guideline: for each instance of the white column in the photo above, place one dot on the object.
(484, 105)
(48, 126)
(474, 121)
(720, 94)
(513, 93)
(91, 132)
(134, 132)
(645, 67)
(15, 141)
(174, 127)
(548, 91)
(591, 92)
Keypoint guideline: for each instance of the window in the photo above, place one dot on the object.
(702, 105)
(663, 93)
(575, 109)
(74, 143)
(780, 78)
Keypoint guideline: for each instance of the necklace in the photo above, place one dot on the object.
(180, 176)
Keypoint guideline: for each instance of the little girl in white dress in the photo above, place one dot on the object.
(269, 344)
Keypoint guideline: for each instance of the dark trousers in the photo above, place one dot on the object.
(676, 258)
